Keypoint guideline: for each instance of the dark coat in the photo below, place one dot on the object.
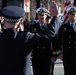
(15, 46)
(42, 54)
(68, 40)
(45, 50)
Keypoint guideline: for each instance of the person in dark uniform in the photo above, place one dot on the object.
(56, 50)
(15, 46)
(27, 66)
(41, 56)
(68, 34)
(48, 20)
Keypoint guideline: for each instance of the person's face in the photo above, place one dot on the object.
(42, 18)
(72, 17)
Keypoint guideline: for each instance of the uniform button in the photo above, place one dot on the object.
(74, 47)
(69, 41)
(75, 37)
(43, 47)
(69, 36)
(75, 42)
(64, 29)
(69, 47)
(37, 47)
(34, 29)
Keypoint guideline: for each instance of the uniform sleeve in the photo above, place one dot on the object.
(52, 30)
(57, 40)
(56, 23)
(32, 40)
(57, 43)
(57, 48)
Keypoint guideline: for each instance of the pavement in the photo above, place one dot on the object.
(58, 68)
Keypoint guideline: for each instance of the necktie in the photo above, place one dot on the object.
(72, 25)
(42, 27)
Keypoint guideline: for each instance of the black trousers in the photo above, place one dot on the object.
(42, 66)
(69, 67)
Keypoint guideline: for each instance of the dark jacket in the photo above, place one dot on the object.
(15, 46)
(68, 40)
(45, 51)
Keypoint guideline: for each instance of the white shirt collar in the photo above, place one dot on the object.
(41, 25)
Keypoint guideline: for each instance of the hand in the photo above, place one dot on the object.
(60, 56)
(53, 9)
(53, 59)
